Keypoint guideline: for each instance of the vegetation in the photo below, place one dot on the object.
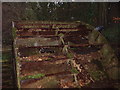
(33, 76)
(97, 75)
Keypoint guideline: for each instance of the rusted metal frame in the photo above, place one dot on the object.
(60, 46)
(46, 29)
(80, 45)
(43, 22)
(15, 61)
(33, 36)
(43, 33)
(16, 66)
(46, 24)
(53, 60)
(26, 37)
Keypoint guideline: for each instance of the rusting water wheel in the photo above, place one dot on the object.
(44, 59)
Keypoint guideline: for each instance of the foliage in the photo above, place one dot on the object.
(33, 76)
(72, 11)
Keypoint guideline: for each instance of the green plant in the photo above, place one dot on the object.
(33, 76)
